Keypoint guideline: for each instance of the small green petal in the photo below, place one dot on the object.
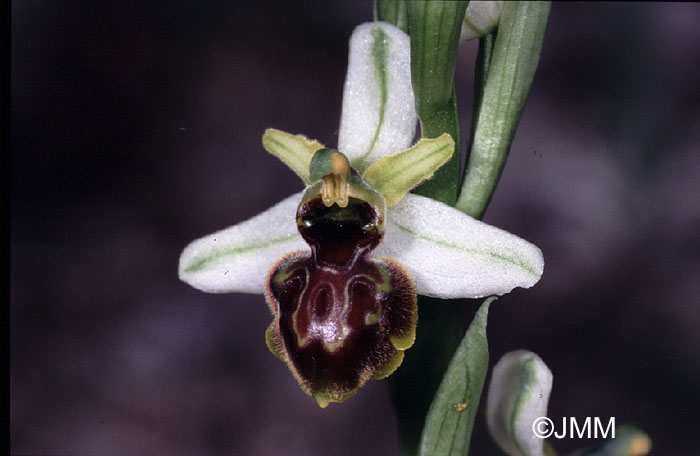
(295, 151)
(396, 175)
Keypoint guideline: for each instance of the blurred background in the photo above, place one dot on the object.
(136, 128)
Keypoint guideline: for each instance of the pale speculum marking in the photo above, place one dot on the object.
(323, 309)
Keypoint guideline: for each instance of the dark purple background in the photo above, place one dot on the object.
(136, 128)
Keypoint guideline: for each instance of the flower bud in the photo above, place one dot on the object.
(518, 396)
(480, 19)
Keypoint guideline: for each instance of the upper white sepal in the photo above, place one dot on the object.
(378, 116)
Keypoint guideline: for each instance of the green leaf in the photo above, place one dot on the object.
(295, 151)
(396, 175)
(515, 57)
(414, 385)
(481, 74)
(393, 12)
(450, 420)
(434, 28)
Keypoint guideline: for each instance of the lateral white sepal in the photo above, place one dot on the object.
(238, 258)
(452, 255)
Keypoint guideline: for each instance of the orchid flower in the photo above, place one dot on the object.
(341, 262)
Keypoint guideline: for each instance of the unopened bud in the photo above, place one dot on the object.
(480, 19)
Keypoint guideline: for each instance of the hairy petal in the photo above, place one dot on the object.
(295, 151)
(238, 258)
(452, 255)
(398, 174)
(378, 117)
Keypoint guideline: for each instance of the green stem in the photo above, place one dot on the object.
(512, 56)
(393, 12)
(481, 74)
(444, 185)
(434, 27)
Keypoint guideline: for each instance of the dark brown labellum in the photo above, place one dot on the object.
(341, 317)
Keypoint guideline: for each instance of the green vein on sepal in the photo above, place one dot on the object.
(202, 262)
(380, 55)
(487, 253)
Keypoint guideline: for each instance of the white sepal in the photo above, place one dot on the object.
(518, 395)
(452, 255)
(238, 258)
(378, 116)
